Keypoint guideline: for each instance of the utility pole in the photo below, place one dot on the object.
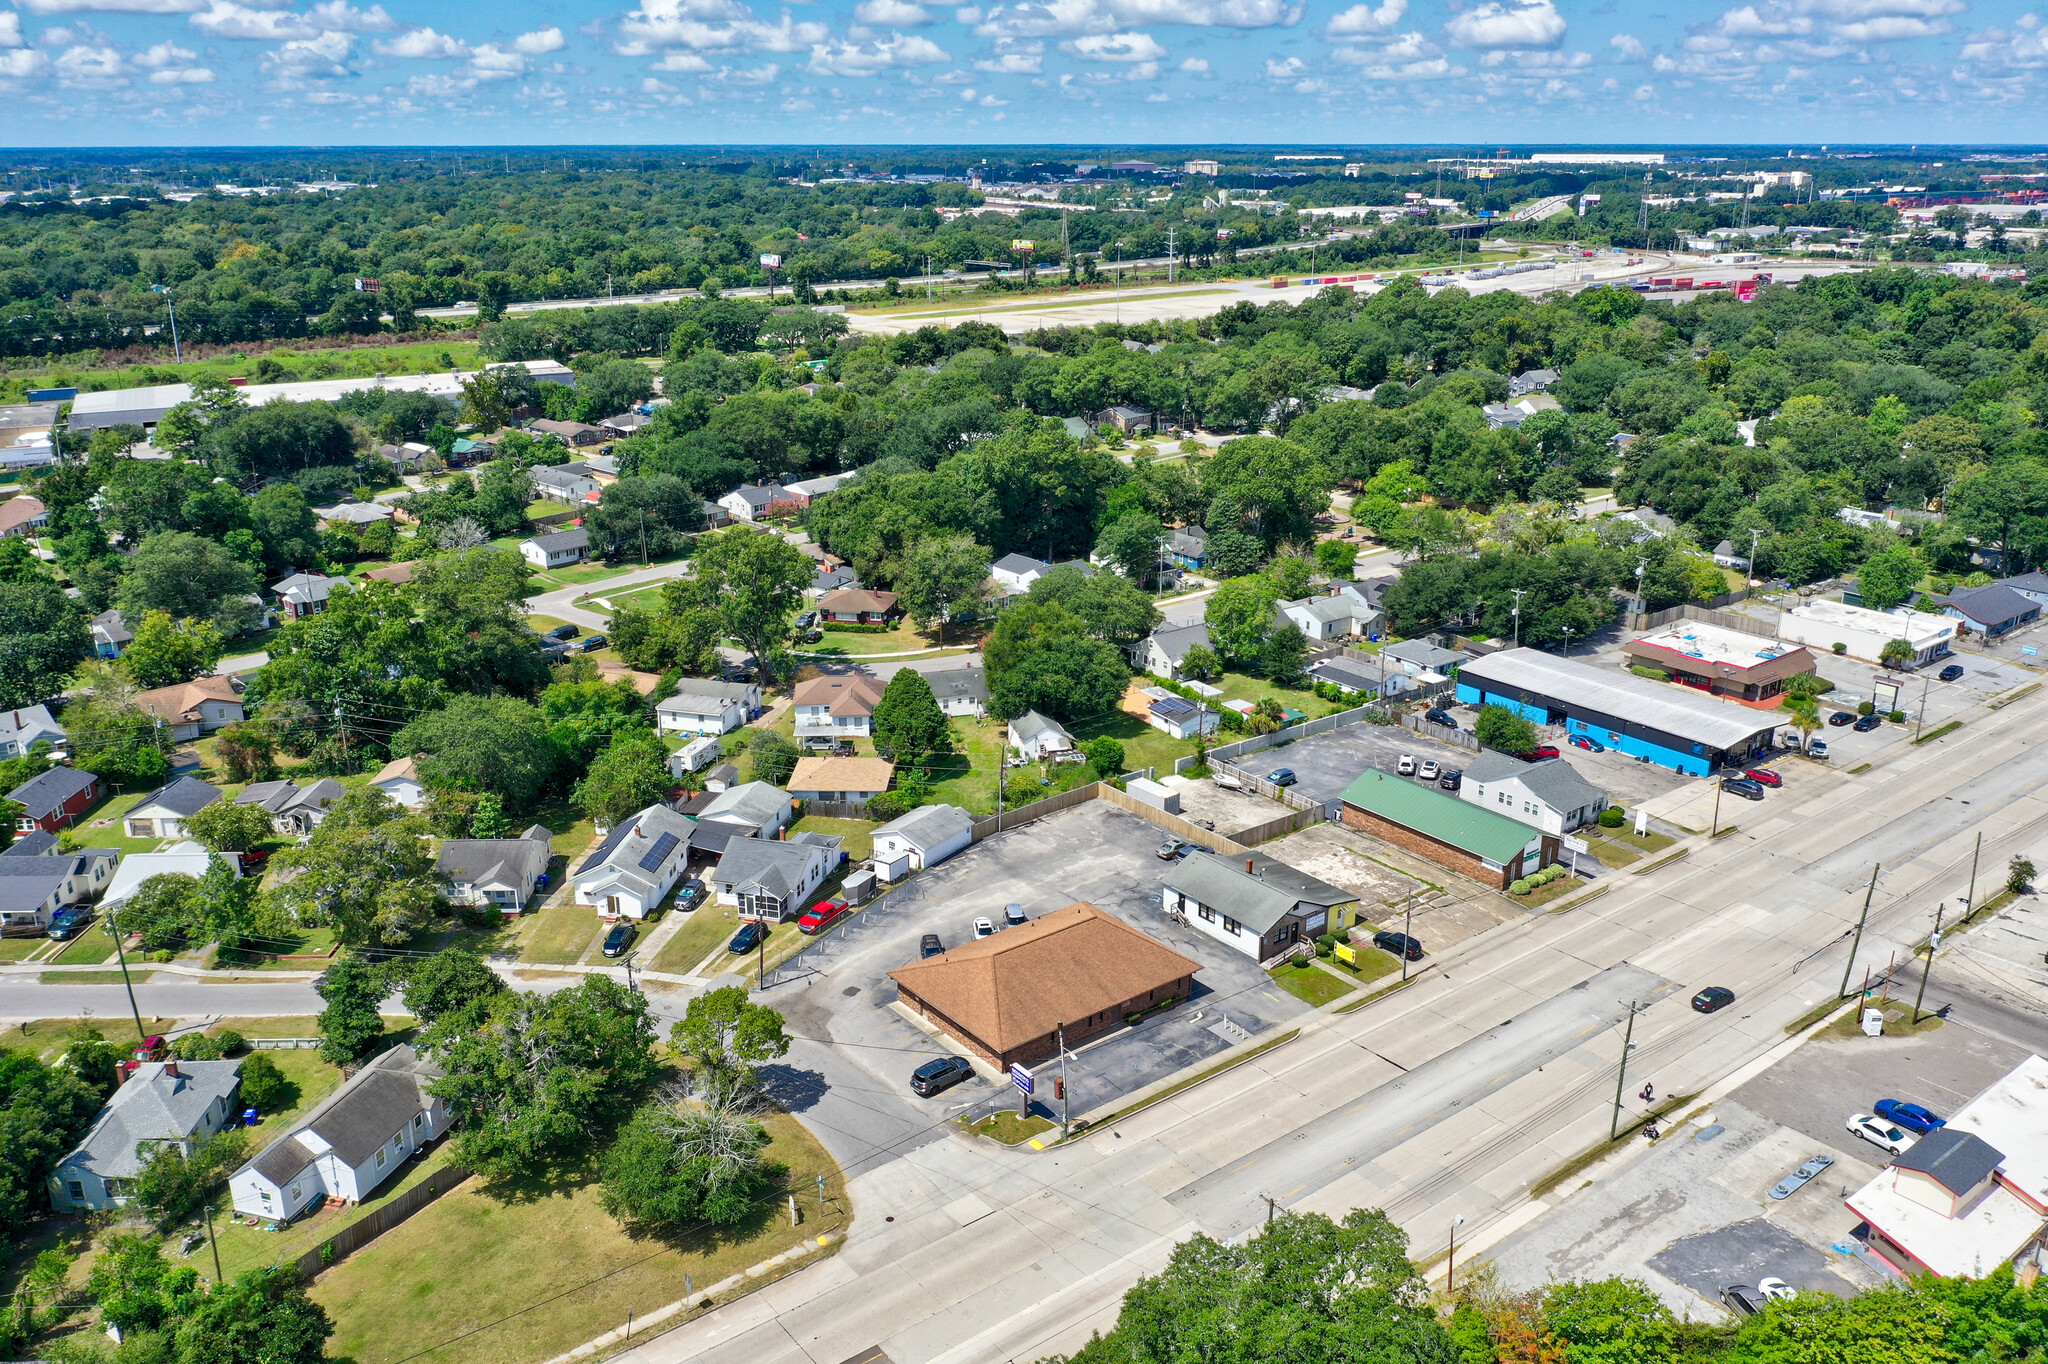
(114, 927)
(1714, 824)
(1641, 564)
(643, 537)
(1921, 718)
(1407, 927)
(1861, 920)
(1169, 255)
(1451, 1261)
(218, 1277)
(1933, 945)
(1621, 1074)
(1270, 1201)
(177, 351)
(1517, 613)
(1061, 1033)
(1970, 900)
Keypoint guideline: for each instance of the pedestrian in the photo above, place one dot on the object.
(1649, 1094)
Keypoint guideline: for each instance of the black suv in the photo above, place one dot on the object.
(934, 1077)
(748, 938)
(930, 946)
(1744, 787)
(619, 939)
(1400, 944)
(1452, 779)
(1951, 672)
(1439, 717)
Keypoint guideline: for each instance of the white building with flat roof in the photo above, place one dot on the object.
(1863, 633)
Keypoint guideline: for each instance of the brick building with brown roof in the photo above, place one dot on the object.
(1004, 998)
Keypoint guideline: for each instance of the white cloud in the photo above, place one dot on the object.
(226, 19)
(1645, 92)
(1363, 21)
(10, 29)
(712, 26)
(439, 86)
(1013, 58)
(682, 61)
(541, 40)
(1890, 28)
(111, 6)
(489, 62)
(874, 57)
(891, 13)
(1628, 47)
(1851, 21)
(163, 55)
(1116, 47)
(1514, 24)
(181, 75)
(84, 65)
(303, 59)
(1044, 18)
(340, 14)
(2023, 48)
(1196, 66)
(22, 64)
(1284, 71)
(1537, 61)
(421, 43)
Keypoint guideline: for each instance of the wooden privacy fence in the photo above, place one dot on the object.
(1443, 734)
(359, 1234)
(1275, 828)
(1038, 809)
(837, 809)
(1704, 612)
(1173, 824)
(1228, 752)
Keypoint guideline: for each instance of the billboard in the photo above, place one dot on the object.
(1023, 244)
(770, 261)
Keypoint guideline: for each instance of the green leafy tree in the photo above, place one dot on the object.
(1041, 657)
(629, 776)
(351, 1028)
(908, 723)
(165, 652)
(1888, 577)
(646, 518)
(188, 577)
(585, 714)
(1280, 485)
(367, 871)
(774, 757)
(684, 1162)
(226, 826)
(265, 1087)
(1283, 654)
(1503, 729)
(1110, 606)
(754, 583)
(1610, 1321)
(45, 636)
(1200, 662)
(44, 1110)
(1240, 616)
(490, 820)
(1106, 756)
(1337, 558)
(110, 734)
(497, 744)
(2019, 876)
(245, 751)
(453, 981)
(1882, 1325)
(260, 1317)
(136, 1288)
(1132, 542)
(945, 577)
(729, 1037)
(172, 1185)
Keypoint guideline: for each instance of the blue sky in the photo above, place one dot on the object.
(234, 72)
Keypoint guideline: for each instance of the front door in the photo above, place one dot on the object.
(611, 906)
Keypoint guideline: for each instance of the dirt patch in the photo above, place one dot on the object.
(1324, 852)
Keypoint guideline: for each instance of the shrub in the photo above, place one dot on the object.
(1612, 817)
(265, 1088)
(1841, 649)
(196, 1046)
(1897, 717)
(1325, 944)
(1654, 674)
(1519, 888)
(1866, 708)
(231, 1042)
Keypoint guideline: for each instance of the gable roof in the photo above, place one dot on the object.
(19, 511)
(398, 769)
(34, 843)
(1993, 605)
(759, 495)
(841, 774)
(1175, 640)
(1031, 724)
(578, 538)
(754, 803)
(1228, 888)
(1423, 654)
(44, 795)
(305, 588)
(184, 797)
(843, 693)
(494, 861)
(379, 1100)
(181, 702)
(1958, 1161)
(24, 725)
(959, 684)
(153, 1105)
(27, 883)
(1553, 781)
(635, 850)
(1013, 988)
(1442, 816)
(186, 858)
(776, 867)
(108, 626)
(853, 600)
(928, 825)
(1019, 564)
(828, 579)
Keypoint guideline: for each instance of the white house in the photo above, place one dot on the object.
(756, 502)
(400, 780)
(37, 880)
(694, 756)
(554, 551)
(1039, 736)
(923, 838)
(571, 483)
(1177, 716)
(1335, 616)
(305, 594)
(1018, 571)
(24, 727)
(349, 1145)
(1550, 795)
(1414, 657)
(1162, 652)
(961, 691)
(706, 705)
(1243, 908)
(163, 812)
(837, 706)
(761, 810)
(161, 1104)
(768, 879)
(293, 809)
(193, 708)
(495, 871)
(636, 865)
(187, 858)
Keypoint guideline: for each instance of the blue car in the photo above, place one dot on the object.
(1912, 1117)
(748, 938)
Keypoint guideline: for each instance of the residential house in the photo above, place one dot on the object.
(1177, 717)
(350, 1144)
(22, 728)
(570, 483)
(1127, 419)
(754, 808)
(1016, 572)
(852, 780)
(1340, 615)
(1550, 795)
(1236, 902)
(723, 778)
(556, 550)
(161, 1105)
(859, 606)
(805, 491)
(409, 458)
(758, 502)
(1039, 736)
(37, 881)
(923, 838)
(829, 579)
(397, 574)
(1513, 414)
(2033, 586)
(836, 706)
(603, 468)
(1165, 650)
(574, 434)
(1345, 673)
(1990, 611)
(163, 812)
(350, 512)
(637, 864)
(1531, 381)
(193, 708)
(1649, 522)
(304, 594)
(54, 799)
(505, 872)
(774, 879)
(110, 635)
(706, 705)
(961, 691)
(625, 424)
(22, 515)
(183, 859)
(400, 780)
(293, 809)
(1726, 555)
(1415, 657)
(1188, 546)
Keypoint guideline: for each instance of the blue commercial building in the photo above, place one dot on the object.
(1653, 720)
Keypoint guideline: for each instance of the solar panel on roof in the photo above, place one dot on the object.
(661, 849)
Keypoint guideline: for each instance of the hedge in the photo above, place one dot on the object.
(1654, 674)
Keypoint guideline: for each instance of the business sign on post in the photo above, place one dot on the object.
(1570, 844)
(1885, 696)
(770, 261)
(1020, 1077)
(1023, 244)
(2029, 650)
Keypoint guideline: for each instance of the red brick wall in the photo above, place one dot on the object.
(1422, 845)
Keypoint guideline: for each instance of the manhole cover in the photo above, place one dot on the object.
(850, 991)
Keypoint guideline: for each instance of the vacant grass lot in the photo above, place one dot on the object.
(304, 359)
(475, 1257)
(858, 833)
(560, 934)
(709, 926)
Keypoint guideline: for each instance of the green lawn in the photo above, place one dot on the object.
(1310, 984)
(560, 934)
(18, 949)
(1372, 964)
(967, 777)
(903, 638)
(87, 949)
(102, 827)
(313, 947)
(244, 1247)
(858, 833)
(708, 926)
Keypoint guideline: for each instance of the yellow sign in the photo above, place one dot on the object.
(1021, 244)
(1346, 953)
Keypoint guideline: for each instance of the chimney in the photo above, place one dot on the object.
(171, 1068)
(1247, 866)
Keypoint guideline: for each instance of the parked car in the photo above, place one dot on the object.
(1282, 776)
(1013, 915)
(1539, 753)
(1712, 998)
(1452, 779)
(565, 632)
(984, 927)
(1763, 776)
(691, 895)
(1817, 749)
(1400, 944)
(1743, 1300)
(619, 939)
(748, 938)
(70, 921)
(1951, 672)
(1776, 1290)
(1431, 770)
(930, 946)
(934, 1077)
(592, 643)
(1841, 717)
(1868, 723)
(1171, 849)
(1589, 743)
(1406, 767)
(1440, 717)
(1912, 1117)
(822, 915)
(1888, 1135)
(1742, 786)
(807, 620)
(813, 636)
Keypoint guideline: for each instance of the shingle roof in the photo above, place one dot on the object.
(1175, 640)
(494, 861)
(184, 797)
(844, 693)
(1993, 605)
(578, 538)
(1229, 889)
(397, 769)
(1072, 963)
(24, 725)
(1031, 724)
(1442, 816)
(181, 701)
(959, 684)
(928, 825)
(759, 495)
(34, 843)
(1958, 1161)
(775, 867)
(44, 795)
(1424, 654)
(1716, 724)
(186, 859)
(1308, 889)
(854, 600)
(755, 803)
(367, 1111)
(305, 587)
(841, 774)
(1553, 781)
(1020, 564)
(26, 887)
(152, 1106)
(627, 846)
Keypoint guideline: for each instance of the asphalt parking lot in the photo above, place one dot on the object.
(838, 995)
(1327, 763)
(1742, 1253)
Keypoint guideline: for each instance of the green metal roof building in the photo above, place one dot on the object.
(1437, 825)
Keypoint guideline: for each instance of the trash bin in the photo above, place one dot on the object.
(250, 1117)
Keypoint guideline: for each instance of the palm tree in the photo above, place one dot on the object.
(1896, 653)
(1804, 713)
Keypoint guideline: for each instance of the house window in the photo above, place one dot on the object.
(1230, 925)
(77, 1190)
(399, 1140)
(418, 1120)
(380, 1157)
(1207, 913)
(295, 1192)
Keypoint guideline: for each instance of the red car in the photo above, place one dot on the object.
(1764, 776)
(1537, 755)
(822, 915)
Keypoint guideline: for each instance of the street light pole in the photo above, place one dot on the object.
(1407, 932)
(1517, 613)
(1714, 824)
(1062, 1037)
(1451, 1260)
(1621, 1074)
